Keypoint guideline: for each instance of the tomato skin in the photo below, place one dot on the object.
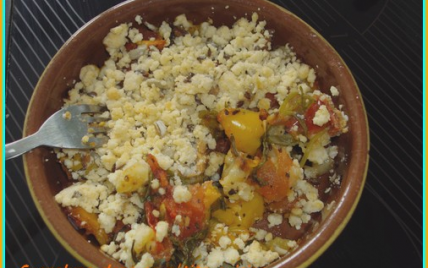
(151, 219)
(309, 117)
(158, 172)
(291, 124)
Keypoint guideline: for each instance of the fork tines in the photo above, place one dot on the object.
(85, 108)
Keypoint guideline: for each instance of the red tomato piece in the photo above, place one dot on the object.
(333, 124)
(192, 212)
(309, 116)
(151, 219)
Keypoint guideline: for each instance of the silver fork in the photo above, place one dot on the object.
(64, 129)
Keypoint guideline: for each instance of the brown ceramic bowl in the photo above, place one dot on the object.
(45, 178)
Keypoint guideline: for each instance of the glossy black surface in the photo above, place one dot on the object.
(380, 40)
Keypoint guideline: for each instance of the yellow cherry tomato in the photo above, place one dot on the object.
(133, 178)
(241, 214)
(211, 194)
(245, 126)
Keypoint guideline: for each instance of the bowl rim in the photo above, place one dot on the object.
(331, 234)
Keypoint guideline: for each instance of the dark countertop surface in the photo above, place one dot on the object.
(380, 40)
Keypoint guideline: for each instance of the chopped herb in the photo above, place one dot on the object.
(146, 196)
(183, 253)
(233, 145)
(302, 124)
(227, 265)
(290, 104)
(282, 140)
(223, 205)
(133, 254)
(263, 160)
(209, 120)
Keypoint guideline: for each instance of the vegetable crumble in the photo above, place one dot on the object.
(215, 141)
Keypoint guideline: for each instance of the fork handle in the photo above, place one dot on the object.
(21, 146)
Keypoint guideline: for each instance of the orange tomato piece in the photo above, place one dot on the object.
(275, 174)
(89, 222)
(158, 172)
(158, 43)
(162, 250)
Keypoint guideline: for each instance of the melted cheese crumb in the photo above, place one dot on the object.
(256, 256)
(334, 91)
(322, 116)
(181, 194)
(274, 219)
(161, 230)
